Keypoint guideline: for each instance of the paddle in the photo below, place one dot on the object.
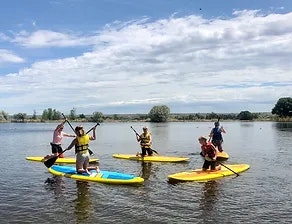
(97, 124)
(50, 162)
(139, 136)
(228, 168)
(90, 152)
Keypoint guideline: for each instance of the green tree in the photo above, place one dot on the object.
(45, 115)
(212, 116)
(34, 116)
(56, 115)
(245, 115)
(4, 116)
(97, 117)
(72, 115)
(20, 117)
(82, 116)
(159, 113)
(51, 114)
(283, 107)
(199, 116)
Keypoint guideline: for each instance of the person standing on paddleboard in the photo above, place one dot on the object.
(81, 143)
(209, 153)
(57, 140)
(216, 136)
(145, 140)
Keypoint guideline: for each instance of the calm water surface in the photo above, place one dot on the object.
(260, 195)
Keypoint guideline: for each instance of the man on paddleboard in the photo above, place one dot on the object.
(145, 140)
(209, 153)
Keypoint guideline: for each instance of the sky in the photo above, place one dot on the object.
(126, 56)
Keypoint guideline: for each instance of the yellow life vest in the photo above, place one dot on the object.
(82, 144)
(145, 140)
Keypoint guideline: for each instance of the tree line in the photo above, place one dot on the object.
(159, 113)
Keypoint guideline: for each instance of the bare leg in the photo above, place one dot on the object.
(79, 163)
(86, 164)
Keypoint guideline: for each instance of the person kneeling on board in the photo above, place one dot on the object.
(145, 140)
(209, 152)
(81, 149)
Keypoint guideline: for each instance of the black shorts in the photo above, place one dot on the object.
(148, 150)
(56, 148)
(207, 164)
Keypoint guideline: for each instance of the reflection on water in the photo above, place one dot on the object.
(55, 184)
(83, 206)
(246, 124)
(284, 126)
(208, 199)
(145, 170)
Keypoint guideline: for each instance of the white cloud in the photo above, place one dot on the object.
(242, 63)
(10, 57)
(4, 37)
(48, 38)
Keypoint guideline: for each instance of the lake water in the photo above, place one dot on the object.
(260, 195)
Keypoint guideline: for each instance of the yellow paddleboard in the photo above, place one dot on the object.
(59, 160)
(154, 158)
(199, 175)
(222, 156)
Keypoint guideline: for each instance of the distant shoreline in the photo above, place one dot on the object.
(172, 117)
(289, 119)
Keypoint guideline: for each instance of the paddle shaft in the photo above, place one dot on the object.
(135, 131)
(90, 152)
(68, 123)
(139, 136)
(92, 128)
(228, 168)
(73, 128)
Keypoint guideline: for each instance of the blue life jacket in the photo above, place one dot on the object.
(217, 134)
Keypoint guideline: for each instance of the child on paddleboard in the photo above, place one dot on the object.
(81, 143)
(209, 152)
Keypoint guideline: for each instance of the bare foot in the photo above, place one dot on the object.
(81, 171)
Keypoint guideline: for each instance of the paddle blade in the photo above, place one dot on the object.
(50, 162)
(155, 151)
(90, 152)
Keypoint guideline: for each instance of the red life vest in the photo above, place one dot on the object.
(208, 150)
